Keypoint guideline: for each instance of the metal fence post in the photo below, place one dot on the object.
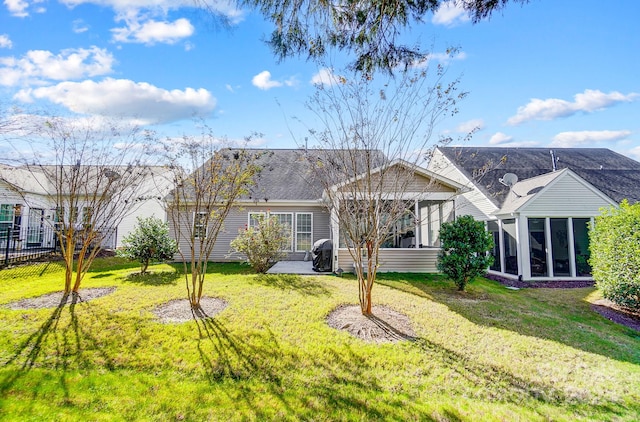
(6, 252)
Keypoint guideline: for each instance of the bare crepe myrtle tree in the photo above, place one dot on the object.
(372, 138)
(92, 173)
(208, 180)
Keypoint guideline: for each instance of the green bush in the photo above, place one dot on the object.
(465, 246)
(150, 241)
(615, 254)
(263, 244)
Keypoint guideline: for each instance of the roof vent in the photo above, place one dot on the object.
(509, 179)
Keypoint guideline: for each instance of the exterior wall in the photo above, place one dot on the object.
(148, 208)
(238, 218)
(473, 203)
(567, 197)
(418, 260)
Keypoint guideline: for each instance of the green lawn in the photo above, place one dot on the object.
(486, 354)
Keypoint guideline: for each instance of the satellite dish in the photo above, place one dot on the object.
(509, 179)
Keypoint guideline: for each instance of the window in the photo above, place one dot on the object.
(304, 230)
(581, 246)
(286, 219)
(510, 246)
(6, 220)
(560, 246)
(73, 215)
(200, 225)
(87, 215)
(537, 247)
(253, 219)
(494, 229)
(6, 213)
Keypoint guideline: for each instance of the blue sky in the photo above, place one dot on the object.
(547, 74)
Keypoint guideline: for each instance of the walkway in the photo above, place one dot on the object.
(294, 267)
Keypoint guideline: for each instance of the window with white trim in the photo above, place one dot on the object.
(200, 225)
(6, 219)
(304, 231)
(286, 219)
(254, 218)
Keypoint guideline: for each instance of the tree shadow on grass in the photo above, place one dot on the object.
(496, 309)
(261, 366)
(497, 384)
(160, 278)
(308, 286)
(59, 343)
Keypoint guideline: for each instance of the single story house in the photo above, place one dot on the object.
(538, 202)
(288, 188)
(28, 209)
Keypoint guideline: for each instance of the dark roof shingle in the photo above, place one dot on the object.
(613, 174)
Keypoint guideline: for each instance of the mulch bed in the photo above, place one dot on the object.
(384, 326)
(56, 299)
(619, 315)
(180, 310)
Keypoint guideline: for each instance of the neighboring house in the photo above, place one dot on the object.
(286, 188)
(28, 208)
(538, 202)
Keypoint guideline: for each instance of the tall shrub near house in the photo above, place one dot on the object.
(264, 243)
(615, 254)
(150, 241)
(465, 246)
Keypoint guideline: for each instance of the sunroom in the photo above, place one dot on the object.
(542, 230)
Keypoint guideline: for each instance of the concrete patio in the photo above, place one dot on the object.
(294, 267)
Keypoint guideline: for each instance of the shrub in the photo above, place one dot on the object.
(615, 254)
(263, 244)
(150, 241)
(465, 246)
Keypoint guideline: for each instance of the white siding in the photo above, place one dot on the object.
(566, 197)
(419, 260)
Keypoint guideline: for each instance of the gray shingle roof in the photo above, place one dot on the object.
(289, 175)
(613, 174)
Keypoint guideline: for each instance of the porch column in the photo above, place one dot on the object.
(417, 222)
(572, 248)
(335, 235)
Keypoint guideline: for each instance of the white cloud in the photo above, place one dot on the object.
(144, 102)
(151, 31)
(325, 77)
(17, 8)
(586, 137)
(635, 153)
(470, 126)
(5, 41)
(226, 8)
(263, 81)
(552, 108)
(80, 26)
(500, 138)
(450, 14)
(40, 65)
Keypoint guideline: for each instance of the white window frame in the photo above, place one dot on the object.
(310, 232)
(197, 228)
(251, 213)
(292, 233)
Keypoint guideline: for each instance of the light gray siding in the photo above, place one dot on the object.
(567, 197)
(409, 260)
(238, 219)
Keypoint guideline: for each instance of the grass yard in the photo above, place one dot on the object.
(489, 354)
